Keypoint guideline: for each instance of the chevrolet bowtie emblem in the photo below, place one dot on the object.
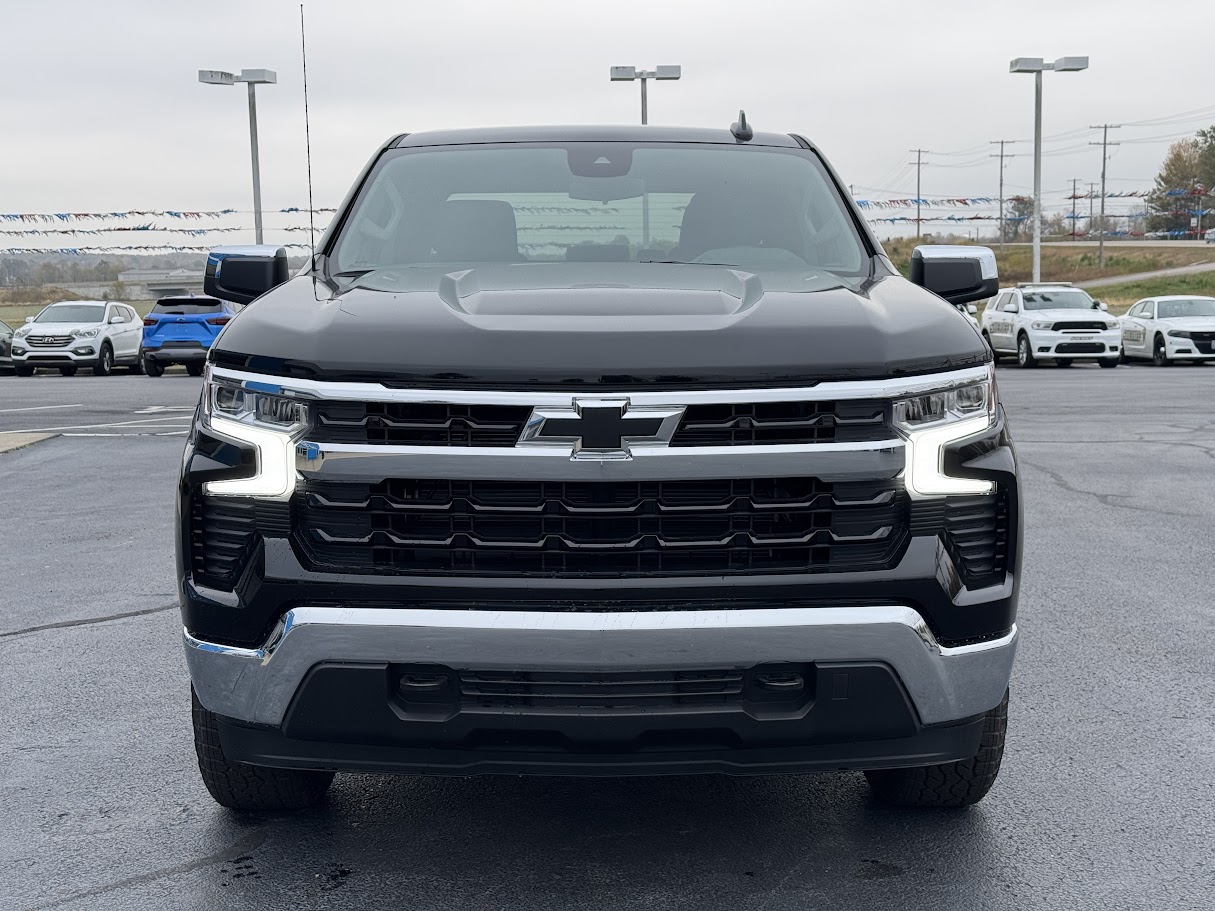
(600, 428)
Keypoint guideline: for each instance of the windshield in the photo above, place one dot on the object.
(1197, 306)
(1063, 299)
(460, 206)
(71, 313)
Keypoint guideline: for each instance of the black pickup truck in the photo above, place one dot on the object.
(599, 451)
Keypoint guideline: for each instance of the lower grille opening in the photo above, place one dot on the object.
(1080, 348)
(424, 689)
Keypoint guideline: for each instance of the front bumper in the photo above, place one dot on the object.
(84, 354)
(1186, 349)
(1075, 345)
(877, 689)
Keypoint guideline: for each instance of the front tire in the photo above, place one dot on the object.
(153, 368)
(239, 786)
(105, 361)
(950, 784)
(1063, 362)
(194, 368)
(22, 370)
(1160, 354)
(67, 371)
(1109, 362)
(1025, 355)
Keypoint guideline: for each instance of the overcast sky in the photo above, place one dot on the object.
(100, 107)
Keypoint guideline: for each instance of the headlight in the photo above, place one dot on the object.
(22, 332)
(84, 333)
(1112, 325)
(256, 414)
(1179, 333)
(932, 421)
(254, 404)
(1040, 325)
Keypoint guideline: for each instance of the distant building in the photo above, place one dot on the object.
(149, 284)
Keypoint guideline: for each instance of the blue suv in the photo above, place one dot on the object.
(180, 330)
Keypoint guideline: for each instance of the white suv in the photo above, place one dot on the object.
(1055, 321)
(73, 334)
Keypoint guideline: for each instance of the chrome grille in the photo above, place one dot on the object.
(49, 341)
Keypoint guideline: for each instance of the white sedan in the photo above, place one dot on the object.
(1175, 327)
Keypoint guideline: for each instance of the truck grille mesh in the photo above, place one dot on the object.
(424, 424)
(782, 422)
(580, 529)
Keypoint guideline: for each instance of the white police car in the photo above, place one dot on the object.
(1174, 327)
(1053, 321)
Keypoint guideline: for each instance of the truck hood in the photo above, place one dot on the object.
(603, 325)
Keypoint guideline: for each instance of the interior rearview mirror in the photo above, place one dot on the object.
(606, 189)
(960, 274)
(242, 274)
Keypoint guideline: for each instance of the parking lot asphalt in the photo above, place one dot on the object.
(1106, 799)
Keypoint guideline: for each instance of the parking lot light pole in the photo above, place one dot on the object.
(1037, 66)
(631, 73)
(251, 78)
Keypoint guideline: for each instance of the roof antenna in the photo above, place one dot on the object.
(741, 129)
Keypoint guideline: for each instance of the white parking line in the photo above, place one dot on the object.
(42, 408)
(133, 433)
(161, 421)
(157, 409)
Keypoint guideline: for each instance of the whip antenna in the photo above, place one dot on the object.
(308, 147)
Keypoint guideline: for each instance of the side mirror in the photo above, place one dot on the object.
(115, 320)
(29, 319)
(960, 274)
(1100, 305)
(972, 309)
(243, 274)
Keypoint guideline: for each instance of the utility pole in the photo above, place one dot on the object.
(919, 163)
(1001, 143)
(1075, 180)
(1105, 144)
(1092, 194)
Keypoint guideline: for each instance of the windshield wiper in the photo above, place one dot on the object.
(684, 262)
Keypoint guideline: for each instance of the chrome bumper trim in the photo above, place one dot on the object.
(944, 683)
(842, 389)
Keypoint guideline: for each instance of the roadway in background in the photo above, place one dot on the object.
(1105, 801)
